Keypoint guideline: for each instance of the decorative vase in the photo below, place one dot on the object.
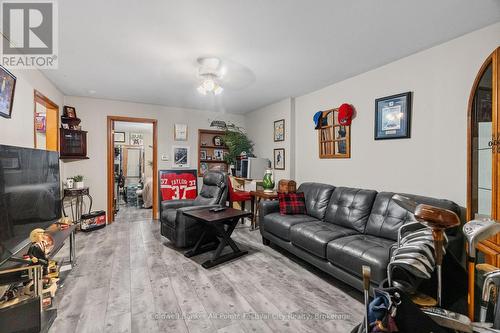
(268, 181)
(79, 185)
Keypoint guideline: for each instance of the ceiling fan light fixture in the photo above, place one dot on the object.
(218, 90)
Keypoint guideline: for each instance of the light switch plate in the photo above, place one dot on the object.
(164, 157)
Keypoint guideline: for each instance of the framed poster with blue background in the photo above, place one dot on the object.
(393, 117)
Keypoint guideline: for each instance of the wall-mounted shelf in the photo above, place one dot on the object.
(334, 139)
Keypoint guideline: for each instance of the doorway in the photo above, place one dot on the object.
(46, 123)
(132, 167)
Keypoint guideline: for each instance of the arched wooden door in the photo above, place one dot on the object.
(483, 158)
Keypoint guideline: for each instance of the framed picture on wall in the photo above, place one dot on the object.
(180, 132)
(181, 157)
(279, 159)
(119, 137)
(7, 88)
(279, 130)
(136, 139)
(393, 117)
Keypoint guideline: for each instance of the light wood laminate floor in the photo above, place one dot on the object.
(129, 279)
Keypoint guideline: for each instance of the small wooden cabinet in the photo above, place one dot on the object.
(73, 144)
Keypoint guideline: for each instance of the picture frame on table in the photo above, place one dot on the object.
(119, 137)
(180, 132)
(219, 154)
(279, 130)
(7, 90)
(69, 111)
(203, 155)
(279, 159)
(180, 157)
(393, 117)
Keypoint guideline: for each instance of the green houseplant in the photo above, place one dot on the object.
(237, 142)
(78, 179)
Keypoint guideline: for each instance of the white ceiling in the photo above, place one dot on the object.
(146, 51)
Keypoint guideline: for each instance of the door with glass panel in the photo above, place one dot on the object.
(484, 152)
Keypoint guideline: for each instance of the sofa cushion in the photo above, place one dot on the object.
(352, 252)
(350, 207)
(279, 225)
(317, 196)
(292, 203)
(314, 236)
(387, 216)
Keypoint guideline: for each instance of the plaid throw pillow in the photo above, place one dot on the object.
(292, 203)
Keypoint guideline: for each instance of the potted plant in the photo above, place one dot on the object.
(78, 179)
(237, 142)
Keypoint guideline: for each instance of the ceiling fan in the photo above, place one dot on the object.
(210, 72)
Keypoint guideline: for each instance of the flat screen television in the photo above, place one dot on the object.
(30, 195)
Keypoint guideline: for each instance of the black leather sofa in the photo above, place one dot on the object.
(181, 230)
(345, 228)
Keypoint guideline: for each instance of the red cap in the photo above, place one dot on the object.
(345, 114)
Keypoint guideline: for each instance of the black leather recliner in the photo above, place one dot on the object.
(184, 231)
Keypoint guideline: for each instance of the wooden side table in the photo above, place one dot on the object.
(257, 196)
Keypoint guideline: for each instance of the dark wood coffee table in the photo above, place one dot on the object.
(221, 224)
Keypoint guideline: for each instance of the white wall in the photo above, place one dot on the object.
(260, 129)
(94, 112)
(18, 130)
(433, 161)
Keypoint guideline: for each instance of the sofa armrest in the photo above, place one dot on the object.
(268, 206)
(176, 204)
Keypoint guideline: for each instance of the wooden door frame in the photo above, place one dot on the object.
(489, 247)
(40, 98)
(110, 161)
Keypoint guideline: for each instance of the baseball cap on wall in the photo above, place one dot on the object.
(345, 114)
(317, 119)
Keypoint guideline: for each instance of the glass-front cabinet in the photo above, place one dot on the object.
(484, 153)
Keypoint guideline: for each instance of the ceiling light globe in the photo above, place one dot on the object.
(218, 90)
(208, 85)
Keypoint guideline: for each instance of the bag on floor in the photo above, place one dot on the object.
(94, 220)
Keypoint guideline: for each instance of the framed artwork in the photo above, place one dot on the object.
(178, 184)
(119, 137)
(393, 117)
(181, 157)
(69, 111)
(279, 159)
(203, 155)
(7, 88)
(180, 132)
(136, 139)
(279, 130)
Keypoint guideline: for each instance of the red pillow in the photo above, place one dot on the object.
(292, 203)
